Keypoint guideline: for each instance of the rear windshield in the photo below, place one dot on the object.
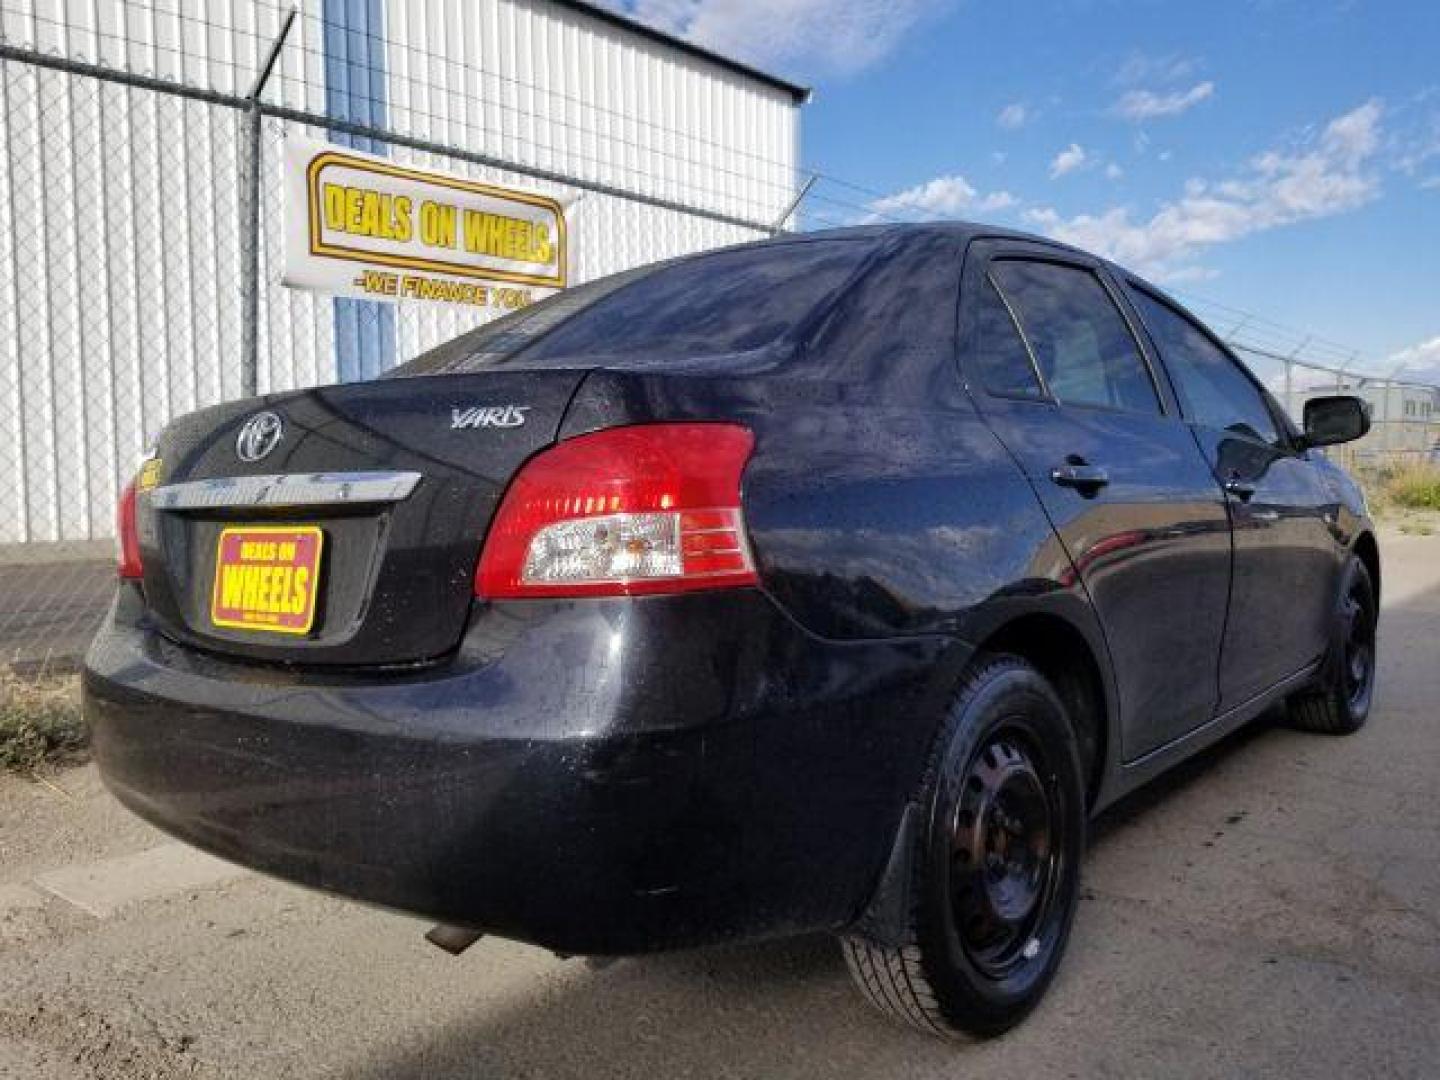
(708, 305)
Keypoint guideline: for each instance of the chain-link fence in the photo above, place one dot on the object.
(142, 217)
(115, 315)
(141, 228)
(1404, 415)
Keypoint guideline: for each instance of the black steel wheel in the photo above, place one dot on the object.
(995, 878)
(1358, 660)
(1340, 702)
(1004, 861)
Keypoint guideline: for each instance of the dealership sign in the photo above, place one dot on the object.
(361, 225)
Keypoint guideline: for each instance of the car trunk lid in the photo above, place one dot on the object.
(381, 491)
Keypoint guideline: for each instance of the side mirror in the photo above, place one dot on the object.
(1332, 420)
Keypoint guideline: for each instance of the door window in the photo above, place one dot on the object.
(1082, 346)
(1212, 387)
(999, 359)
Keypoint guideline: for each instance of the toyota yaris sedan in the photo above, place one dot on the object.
(822, 584)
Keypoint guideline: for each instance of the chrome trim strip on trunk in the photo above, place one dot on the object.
(286, 489)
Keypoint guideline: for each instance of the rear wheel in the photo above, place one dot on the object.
(1340, 704)
(996, 867)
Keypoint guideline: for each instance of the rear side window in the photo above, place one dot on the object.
(1082, 346)
(1213, 390)
(709, 305)
(998, 358)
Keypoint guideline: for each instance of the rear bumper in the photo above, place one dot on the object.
(596, 777)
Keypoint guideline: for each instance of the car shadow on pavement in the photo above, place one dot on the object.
(754, 1010)
(1114, 820)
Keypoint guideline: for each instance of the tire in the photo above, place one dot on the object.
(995, 867)
(1340, 703)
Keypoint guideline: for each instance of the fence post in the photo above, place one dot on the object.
(1387, 420)
(779, 226)
(250, 220)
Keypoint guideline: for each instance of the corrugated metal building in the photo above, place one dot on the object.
(122, 248)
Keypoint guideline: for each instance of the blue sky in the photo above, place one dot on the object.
(1275, 156)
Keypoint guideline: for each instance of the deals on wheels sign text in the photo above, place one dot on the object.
(360, 225)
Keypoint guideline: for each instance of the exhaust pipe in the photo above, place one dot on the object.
(453, 939)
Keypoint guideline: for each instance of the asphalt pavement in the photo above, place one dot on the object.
(1268, 910)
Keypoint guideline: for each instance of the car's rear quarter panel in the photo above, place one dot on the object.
(878, 501)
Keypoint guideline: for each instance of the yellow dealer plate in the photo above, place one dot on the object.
(266, 577)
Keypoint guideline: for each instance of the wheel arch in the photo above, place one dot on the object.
(1064, 655)
(1076, 666)
(1367, 550)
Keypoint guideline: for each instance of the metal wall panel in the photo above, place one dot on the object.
(120, 250)
(120, 243)
(549, 86)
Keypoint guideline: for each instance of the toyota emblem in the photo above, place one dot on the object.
(259, 435)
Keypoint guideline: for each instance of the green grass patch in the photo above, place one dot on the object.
(1395, 487)
(40, 721)
(1413, 487)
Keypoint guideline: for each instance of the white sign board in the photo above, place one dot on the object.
(364, 226)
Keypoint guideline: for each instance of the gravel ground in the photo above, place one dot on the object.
(1268, 910)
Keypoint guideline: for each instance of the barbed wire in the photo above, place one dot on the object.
(473, 112)
(429, 92)
(122, 132)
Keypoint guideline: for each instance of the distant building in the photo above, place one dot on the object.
(123, 172)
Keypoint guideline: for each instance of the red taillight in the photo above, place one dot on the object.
(128, 564)
(653, 508)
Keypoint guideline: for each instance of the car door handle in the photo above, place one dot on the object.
(1243, 490)
(1083, 477)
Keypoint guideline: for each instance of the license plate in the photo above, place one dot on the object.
(266, 577)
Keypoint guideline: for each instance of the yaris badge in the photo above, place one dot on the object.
(260, 435)
(488, 416)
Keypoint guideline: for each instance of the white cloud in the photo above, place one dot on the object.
(1355, 135)
(1188, 275)
(1113, 171)
(944, 196)
(1420, 362)
(1141, 105)
(1013, 116)
(816, 36)
(1416, 146)
(1067, 161)
(1140, 67)
(1331, 173)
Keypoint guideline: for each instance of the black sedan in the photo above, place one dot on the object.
(829, 583)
